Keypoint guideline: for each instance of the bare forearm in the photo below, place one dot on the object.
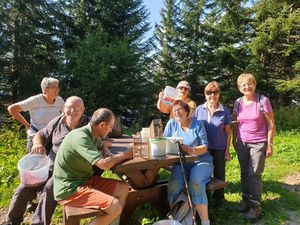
(38, 144)
(113, 160)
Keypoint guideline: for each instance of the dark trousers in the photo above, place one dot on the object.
(23, 195)
(252, 162)
(46, 206)
(18, 204)
(219, 170)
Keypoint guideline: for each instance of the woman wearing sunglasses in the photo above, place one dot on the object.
(216, 119)
(184, 90)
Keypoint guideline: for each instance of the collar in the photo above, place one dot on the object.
(220, 108)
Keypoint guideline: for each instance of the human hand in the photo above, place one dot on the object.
(161, 94)
(128, 154)
(227, 156)
(38, 148)
(269, 151)
(187, 149)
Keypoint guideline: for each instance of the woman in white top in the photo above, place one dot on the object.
(42, 108)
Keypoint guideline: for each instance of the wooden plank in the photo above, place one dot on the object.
(137, 180)
(81, 212)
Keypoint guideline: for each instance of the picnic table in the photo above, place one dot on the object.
(142, 176)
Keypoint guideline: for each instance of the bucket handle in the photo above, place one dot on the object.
(48, 161)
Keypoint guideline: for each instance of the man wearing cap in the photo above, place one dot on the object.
(184, 89)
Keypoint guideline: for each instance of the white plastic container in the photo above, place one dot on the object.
(34, 169)
(157, 147)
(170, 95)
(145, 133)
(172, 147)
(167, 222)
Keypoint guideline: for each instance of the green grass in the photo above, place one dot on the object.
(277, 203)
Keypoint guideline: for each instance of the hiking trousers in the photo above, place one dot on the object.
(23, 195)
(219, 170)
(251, 158)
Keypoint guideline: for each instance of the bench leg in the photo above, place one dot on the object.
(127, 213)
(70, 220)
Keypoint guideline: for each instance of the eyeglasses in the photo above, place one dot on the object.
(54, 87)
(212, 92)
(178, 110)
(183, 88)
(75, 109)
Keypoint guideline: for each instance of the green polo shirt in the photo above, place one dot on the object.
(74, 161)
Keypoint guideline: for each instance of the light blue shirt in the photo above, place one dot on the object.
(195, 136)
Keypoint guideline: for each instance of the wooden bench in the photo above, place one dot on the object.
(72, 215)
(156, 196)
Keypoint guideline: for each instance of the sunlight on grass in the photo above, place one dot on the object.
(278, 203)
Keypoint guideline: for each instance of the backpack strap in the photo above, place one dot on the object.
(239, 100)
(261, 103)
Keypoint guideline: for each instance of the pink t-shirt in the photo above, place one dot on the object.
(252, 124)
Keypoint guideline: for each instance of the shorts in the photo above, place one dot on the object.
(96, 193)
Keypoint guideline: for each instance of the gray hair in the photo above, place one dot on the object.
(184, 83)
(101, 115)
(48, 82)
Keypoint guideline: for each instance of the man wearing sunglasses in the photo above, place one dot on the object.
(184, 89)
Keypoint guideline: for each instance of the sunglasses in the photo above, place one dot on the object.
(212, 92)
(183, 88)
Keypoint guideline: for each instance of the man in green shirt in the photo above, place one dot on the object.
(74, 184)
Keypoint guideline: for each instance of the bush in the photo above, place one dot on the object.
(12, 148)
(287, 118)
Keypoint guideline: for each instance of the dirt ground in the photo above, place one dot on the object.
(291, 183)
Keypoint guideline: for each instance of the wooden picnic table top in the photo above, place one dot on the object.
(142, 173)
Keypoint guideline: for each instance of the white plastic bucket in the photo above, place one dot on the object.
(170, 95)
(167, 222)
(34, 169)
(157, 146)
(172, 147)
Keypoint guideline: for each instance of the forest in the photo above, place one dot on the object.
(99, 51)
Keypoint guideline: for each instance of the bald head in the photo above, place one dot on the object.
(74, 100)
(74, 104)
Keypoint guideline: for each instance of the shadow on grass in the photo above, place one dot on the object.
(277, 202)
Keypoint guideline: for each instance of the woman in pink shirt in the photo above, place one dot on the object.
(253, 136)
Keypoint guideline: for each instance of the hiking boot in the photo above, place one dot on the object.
(254, 213)
(244, 204)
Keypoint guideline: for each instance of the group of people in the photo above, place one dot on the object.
(206, 131)
(52, 127)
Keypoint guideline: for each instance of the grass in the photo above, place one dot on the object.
(278, 203)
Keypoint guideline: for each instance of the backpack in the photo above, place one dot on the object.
(260, 100)
(181, 211)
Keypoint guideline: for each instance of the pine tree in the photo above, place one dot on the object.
(29, 48)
